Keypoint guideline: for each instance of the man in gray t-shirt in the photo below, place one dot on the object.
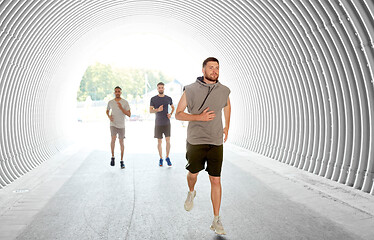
(116, 111)
(205, 99)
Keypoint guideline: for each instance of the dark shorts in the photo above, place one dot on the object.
(164, 129)
(197, 155)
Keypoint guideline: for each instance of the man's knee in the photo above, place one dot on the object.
(121, 142)
(167, 140)
(192, 175)
(113, 139)
(215, 181)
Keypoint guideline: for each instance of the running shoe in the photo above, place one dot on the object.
(161, 161)
(188, 204)
(217, 226)
(168, 161)
(112, 161)
(122, 165)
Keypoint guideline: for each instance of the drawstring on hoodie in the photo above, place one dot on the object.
(209, 91)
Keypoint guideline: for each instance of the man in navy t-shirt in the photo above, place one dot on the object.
(159, 105)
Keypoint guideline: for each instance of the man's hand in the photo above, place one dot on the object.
(119, 105)
(161, 108)
(111, 118)
(169, 115)
(206, 116)
(225, 133)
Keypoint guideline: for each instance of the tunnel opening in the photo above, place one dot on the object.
(137, 62)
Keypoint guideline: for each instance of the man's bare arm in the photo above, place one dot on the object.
(172, 109)
(110, 117)
(181, 115)
(127, 113)
(227, 113)
(152, 109)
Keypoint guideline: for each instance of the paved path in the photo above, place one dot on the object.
(145, 201)
(84, 198)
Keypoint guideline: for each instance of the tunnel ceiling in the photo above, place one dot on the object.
(301, 75)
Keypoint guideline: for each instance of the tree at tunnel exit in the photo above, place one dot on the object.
(100, 79)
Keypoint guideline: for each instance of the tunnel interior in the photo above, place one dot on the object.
(300, 73)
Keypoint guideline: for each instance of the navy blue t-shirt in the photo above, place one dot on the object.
(161, 117)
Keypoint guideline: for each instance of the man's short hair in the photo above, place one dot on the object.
(117, 88)
(160, 83)
(210, 59)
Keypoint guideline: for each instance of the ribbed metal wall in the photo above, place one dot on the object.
(301, 74)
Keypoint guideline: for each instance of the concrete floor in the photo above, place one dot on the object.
(77, 195)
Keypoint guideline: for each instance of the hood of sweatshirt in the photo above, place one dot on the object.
(200, 80)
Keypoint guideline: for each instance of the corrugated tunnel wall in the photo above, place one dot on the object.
(301, 73)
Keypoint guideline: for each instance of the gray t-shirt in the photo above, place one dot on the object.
(118, 115)
(200, 96)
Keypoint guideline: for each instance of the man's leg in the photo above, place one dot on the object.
(158, 135)
(159, 146)
(214, 161)
(216, 193)
(167, 146)
(112, 143)
(122, 148)
(196, 158)
(191, 180)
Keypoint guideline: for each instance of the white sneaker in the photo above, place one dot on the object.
(217, 226)
(188, 204)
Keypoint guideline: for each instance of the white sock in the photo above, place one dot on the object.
(216, 218)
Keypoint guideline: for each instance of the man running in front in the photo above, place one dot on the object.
(204, 100)
(159, 104)
(116, 111)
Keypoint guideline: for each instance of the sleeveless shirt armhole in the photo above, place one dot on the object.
(188, 95)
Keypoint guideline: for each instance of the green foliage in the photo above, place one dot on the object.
(99, 81)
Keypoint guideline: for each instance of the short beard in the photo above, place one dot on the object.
(161, 92)
(212, 80)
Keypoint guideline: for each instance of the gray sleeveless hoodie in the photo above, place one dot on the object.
(200, 96)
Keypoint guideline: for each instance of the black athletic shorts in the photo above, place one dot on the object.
(197, 155)
(163, 129)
